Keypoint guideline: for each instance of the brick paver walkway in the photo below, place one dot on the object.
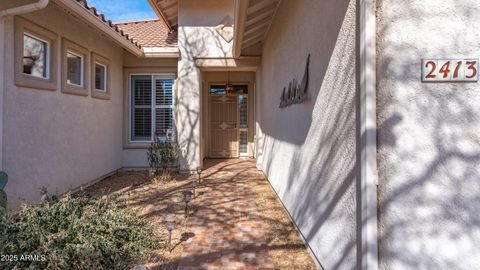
(228, 233)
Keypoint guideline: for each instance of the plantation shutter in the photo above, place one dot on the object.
(141, 98)
(164, 92)
(164, 117)
(152, 107)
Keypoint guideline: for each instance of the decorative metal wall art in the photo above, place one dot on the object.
(296, 93)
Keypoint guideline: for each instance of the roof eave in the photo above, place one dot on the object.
(161, 52)
(160, 14)
(84, 14)
(239, 26)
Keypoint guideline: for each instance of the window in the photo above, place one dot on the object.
(141, 96)
(75, 63)
(100, 77)
(243, 123)
(220, 89)
(240, 89)
(151, 107)
(243, 143)
(35, 56)
(74, 69)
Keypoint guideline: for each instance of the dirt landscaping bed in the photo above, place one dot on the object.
(285, 247)
(154, 200)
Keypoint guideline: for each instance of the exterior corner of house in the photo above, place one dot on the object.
(369, 175)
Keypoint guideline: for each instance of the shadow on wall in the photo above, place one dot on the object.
(192, 12)
(429, 141)
(194, 42)
(310, 151)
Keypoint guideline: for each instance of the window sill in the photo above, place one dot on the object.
(100, 95)
(27, 81)
(136, 145)
(74, 90)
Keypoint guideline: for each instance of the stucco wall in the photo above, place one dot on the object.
(308, 151)
(196, 38)
(135, 154)
(57, 140)
(429, 139)
(132, 61)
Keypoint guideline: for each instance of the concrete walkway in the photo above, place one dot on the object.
(228, 232)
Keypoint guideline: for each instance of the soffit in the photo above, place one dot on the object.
(257, 21)
(167, 10)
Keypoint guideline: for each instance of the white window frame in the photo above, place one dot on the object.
(82, 63)
(154, 106)
(105, 79)
(47, 56)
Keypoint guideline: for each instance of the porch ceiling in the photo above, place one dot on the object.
(252, 20)
(167, 10)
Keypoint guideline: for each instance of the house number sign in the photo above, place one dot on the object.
(450, 70)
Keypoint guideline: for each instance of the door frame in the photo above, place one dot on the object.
(249, 112)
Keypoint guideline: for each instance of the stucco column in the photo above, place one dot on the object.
(188, 105)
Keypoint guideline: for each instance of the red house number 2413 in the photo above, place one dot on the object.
(450, 70)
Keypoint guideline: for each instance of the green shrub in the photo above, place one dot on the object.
(76, 233)
(162, 154)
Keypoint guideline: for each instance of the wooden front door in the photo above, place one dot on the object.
(223, 126)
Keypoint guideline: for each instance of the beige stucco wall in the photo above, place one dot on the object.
(196, 38)
(135, 154)
(429, 139)
(308, 151)
(131, 61)
(57, 140)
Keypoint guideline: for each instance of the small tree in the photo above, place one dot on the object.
(163, 154)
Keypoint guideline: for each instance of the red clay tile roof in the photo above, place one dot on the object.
(149, 33)
(102, 17)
